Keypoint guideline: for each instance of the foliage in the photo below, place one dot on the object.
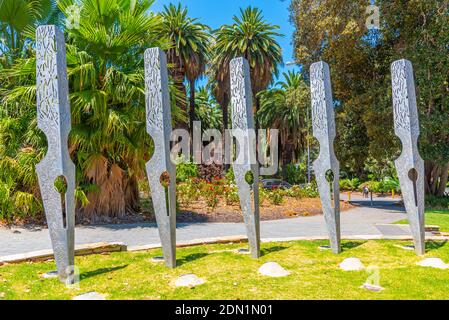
(286, 109)
(207, 110)
(251, 37)
(210, 172)
(108, 142)
(306, 191)
(361, 78)
(187, 192)
(295, 173)
(435, 203)
(349, 184)
(186, 170)
(231, 195)
(188, 52)
(276, 196)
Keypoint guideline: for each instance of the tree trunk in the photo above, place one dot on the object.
(436, 176)
(191, 112)
(117, 196)
(443, 180)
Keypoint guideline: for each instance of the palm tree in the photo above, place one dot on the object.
(108, 142)
(17, 19)
(188, 52)
(285, 109)
(207, 110)
(253, 38)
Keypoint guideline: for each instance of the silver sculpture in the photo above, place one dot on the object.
(160, 170)
(410, 165)
(53, 118)
(245, 166)
(326, 164)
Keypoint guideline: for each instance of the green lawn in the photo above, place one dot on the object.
(435, 217)
(315, 274)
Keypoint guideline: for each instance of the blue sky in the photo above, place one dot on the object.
(218, 12)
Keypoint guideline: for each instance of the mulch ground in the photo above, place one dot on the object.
(290, 208)
(198, 211)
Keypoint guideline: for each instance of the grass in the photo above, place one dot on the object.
(435, 217)
(315, 274)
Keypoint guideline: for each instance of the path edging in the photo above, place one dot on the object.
(104, 247)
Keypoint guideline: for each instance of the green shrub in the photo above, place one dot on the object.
(389, 184)
(231, 195)
(295, 174)
(437, 203)
(373, 186)
(186, 170)
(276, 197)
(187, 192)
(349, 184)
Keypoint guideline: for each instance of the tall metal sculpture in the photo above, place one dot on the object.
(246, 170)
(410, 165)
(326, 165)
(160, 170)
(53, 118)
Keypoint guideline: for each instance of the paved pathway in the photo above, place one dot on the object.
(363, 220)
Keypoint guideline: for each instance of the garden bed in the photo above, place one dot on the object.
(290, 208)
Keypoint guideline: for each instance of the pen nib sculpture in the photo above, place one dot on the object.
(160, 170)
(53, 118)
(410, 165)
(246, 170)
(326, 165)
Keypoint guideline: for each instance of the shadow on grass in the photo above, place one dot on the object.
(435, 245)
(351, 245)
(266, 251)
(190, 258)
(89, 274)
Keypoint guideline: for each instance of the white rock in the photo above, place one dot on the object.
(90, 296)
(189, 280)
(352, 264)
(433, 263)
(272, 269)
(372, 287)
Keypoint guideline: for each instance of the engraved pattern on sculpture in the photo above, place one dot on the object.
(242, 118)
(158, 116)
(323, 121)
(53, 114)
(406, 124)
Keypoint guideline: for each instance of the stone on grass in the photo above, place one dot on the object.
(352, 264)
(189, 280)
(272, 269)
(324, 248)
(372, 287)
(408, 247)
(50, 275)
(90, 296)
(157, 259)
(433, 263)
(243, 251)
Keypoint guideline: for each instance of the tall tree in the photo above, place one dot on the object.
(251, 37)
(285, 109)
(108, 142)
(17, 17)
(336, 31)
(188, 52)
